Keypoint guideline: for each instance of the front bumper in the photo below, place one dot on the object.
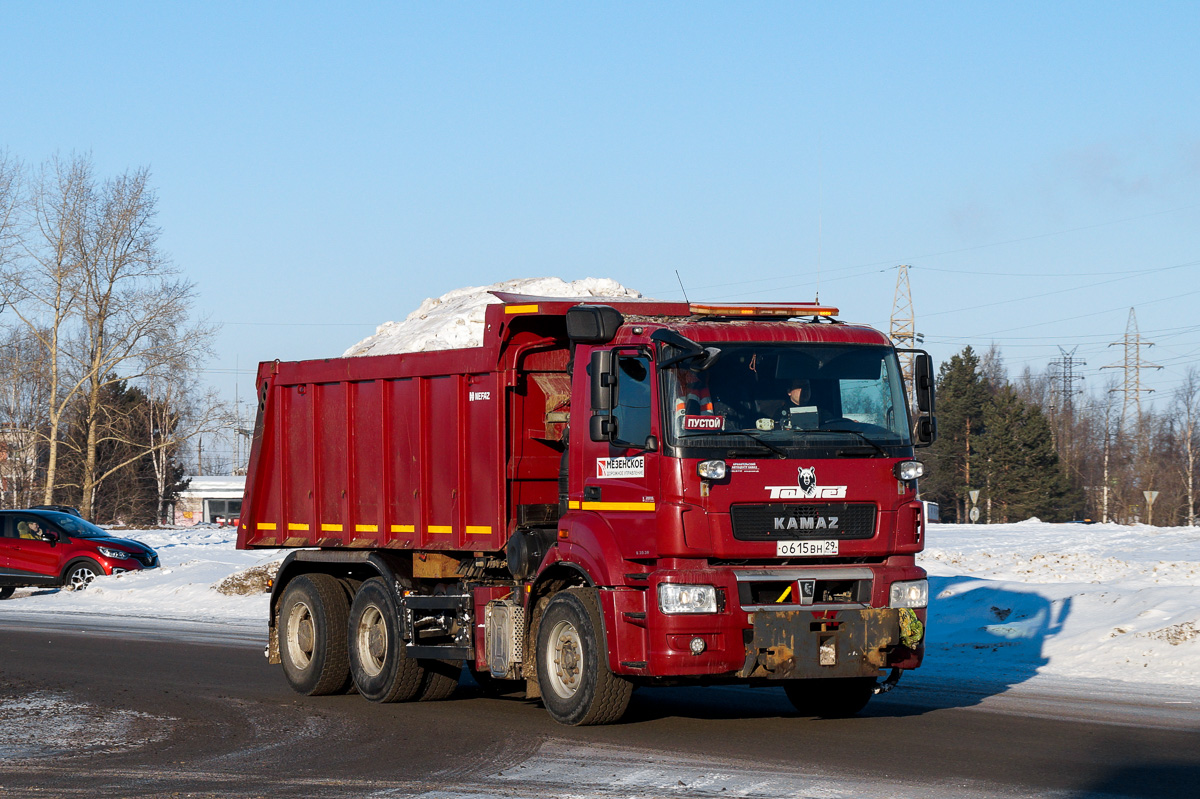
(787, 645)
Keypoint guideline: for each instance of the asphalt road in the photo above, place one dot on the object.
(115, 709)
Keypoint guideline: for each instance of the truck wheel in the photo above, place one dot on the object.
(572, 663)
(312, 634)
(441, 679)
(381, 670)
(6, 591)
(830, 699)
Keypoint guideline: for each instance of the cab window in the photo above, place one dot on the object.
(632, 411)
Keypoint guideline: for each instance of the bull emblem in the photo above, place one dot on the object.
(808, 481)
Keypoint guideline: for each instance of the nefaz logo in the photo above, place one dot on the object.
(704, 422)
(475, 396)
(806, 488)
(621, 467)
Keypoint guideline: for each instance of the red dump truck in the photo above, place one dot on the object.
(605, 494)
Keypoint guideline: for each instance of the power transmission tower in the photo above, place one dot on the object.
(1062, 371)
(903, 330)
(1062, 393)
(1133, 366)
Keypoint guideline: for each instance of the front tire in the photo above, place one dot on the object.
(313, 615)
(381, 670)
(831, 698)
(577, 686)
(81, 574)
(6, 591)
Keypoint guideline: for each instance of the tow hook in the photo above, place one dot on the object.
(888, 684)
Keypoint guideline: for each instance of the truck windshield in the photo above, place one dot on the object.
(787, 394)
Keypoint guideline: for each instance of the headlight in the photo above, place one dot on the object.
(909, 470)
(711, 470)
(115, 554)
(910, 594)
(673, 598)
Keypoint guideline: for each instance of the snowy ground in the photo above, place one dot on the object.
(1014, 602)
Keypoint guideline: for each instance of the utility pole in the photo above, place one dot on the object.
(1132, 366)
(903, 328)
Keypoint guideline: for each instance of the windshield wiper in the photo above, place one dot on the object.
(754, 436)
(878, 448)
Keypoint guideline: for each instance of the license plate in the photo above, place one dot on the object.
(792, 549)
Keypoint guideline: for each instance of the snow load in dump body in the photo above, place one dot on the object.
(455, 320)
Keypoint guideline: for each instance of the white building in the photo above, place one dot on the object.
(209, 499)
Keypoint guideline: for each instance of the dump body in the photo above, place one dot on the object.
(633, 452)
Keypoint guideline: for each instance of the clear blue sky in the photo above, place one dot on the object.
(322, 168)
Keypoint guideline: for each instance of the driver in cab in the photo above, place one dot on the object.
(799, 412)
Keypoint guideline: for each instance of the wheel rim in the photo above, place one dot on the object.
(80, 577)
(566, 659)
(300, 635)
(371, 641)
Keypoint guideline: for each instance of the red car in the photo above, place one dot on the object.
(50, 548)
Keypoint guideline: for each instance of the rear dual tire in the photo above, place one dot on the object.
(381, 670)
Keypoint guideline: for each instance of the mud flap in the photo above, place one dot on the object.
(801, 644)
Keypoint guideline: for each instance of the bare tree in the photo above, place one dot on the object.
(1187, 411)
(43, 287)
(22, 402)
(178, 413)
(134, 317)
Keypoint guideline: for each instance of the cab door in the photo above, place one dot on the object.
(6, 542)
(620, 459)
(35, 555)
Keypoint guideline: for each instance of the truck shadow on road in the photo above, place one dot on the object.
(982, 638)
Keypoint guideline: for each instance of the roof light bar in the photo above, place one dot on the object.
(785, 309)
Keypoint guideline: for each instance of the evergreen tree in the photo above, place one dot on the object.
(962, 394)
(1019, 467)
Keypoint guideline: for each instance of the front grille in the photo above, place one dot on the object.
(793, 521)
(148, 561)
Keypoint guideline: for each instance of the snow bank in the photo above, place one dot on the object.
(1065, 600)
(455, 319)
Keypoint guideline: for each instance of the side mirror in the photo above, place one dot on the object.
(50, 537)
(602, 427)
(926, 432)
(923, 377)
(604, 381)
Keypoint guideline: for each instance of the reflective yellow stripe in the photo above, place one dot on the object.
(404, 528)
(297, 526)
(478, 530)
(510, 309)
(266, 525)
(440, 529)
(366, 528)
(331, 528)
(618, 506)
(573, 505)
